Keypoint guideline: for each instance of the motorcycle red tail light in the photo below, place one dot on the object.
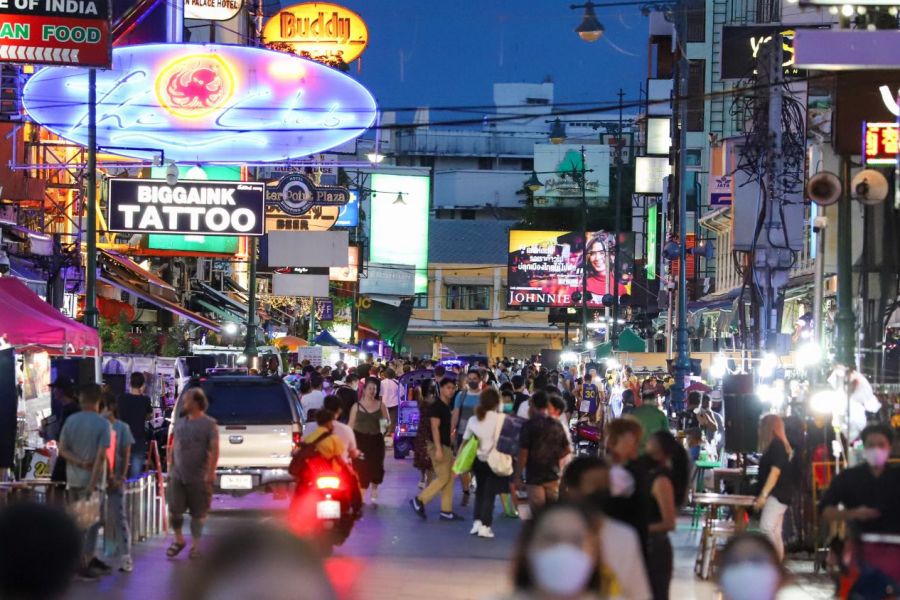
(296, 439)
(328, 482)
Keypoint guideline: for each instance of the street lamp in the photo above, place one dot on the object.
(533, 184)
(590, 29)
(557, 132)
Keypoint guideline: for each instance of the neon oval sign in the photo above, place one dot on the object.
(204, 103)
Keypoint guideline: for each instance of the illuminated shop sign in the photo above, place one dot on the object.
(212, 10)
(880, 143)
(742, 46)
(349, 214)
(188, 207)
(318, 30)
(208, 103)
(295, 194)
(55, 32)
(398, 227)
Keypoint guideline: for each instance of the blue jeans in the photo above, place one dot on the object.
(118, 536)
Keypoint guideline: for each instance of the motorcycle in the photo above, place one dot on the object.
(326, 504)
(587, 438)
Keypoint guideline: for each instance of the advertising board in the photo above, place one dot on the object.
(319, 31)
(188, 207)
(56, 32)
(388, 280)
(545, 267)
(212, 10)
(560, 167)
(398, 233)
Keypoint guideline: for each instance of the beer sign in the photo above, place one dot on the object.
(319, 31)
(55, 32)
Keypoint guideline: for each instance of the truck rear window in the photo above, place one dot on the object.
(237, 404)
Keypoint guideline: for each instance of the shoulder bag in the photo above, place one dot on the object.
(501, 464)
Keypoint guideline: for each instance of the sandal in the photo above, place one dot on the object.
(175, 549)
(194, 553)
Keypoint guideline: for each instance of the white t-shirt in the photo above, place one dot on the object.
(484, 431)
(390, 392)
(345, 433)
(312, 401)
(523, 409)
(620, 543)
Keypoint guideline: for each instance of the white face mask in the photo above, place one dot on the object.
(876, 457)
(749, 581)
(562, 569)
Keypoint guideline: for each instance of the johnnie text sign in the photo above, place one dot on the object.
(212, 10)
(204, 103)
(188, 207)
(319, 31)
(55, 32)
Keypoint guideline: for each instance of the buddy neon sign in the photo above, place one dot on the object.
(207, 103)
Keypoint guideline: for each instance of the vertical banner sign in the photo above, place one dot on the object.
(652, 215)
(720, 190)
(55, 32)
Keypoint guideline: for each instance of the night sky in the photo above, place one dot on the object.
(449, 53)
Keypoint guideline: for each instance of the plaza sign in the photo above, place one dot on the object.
(55, 32)
(295, 194)
(188, 207)
(212, 10)
(319, 31)
(204, 103)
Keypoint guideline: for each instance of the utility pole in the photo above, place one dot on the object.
(91, 315)
(617, 266)
(584, 254)
(250, 349)
(845, 320)
(682, 365)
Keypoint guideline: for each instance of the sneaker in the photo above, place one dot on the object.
(127, 565)
(421, 485)
(465, 499)
(475, 527)
(100, 566)
(451, 516)
(373, 496)
(485, 532)
(87, 574)
(418, 507)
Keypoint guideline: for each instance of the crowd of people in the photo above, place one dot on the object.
(503, 431)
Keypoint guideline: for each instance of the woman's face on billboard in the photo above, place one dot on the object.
(597, 257)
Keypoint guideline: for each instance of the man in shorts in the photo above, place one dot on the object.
(192, 458)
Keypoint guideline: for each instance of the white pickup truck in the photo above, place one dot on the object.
(259, 427)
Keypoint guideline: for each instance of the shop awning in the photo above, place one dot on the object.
(125, 274)
(222, 313)
(223, 301)
(26, 319)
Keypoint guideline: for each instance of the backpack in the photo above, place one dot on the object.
(305, 454)
(508, 440)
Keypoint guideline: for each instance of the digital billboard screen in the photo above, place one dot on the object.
(399, 223)
(545, 267)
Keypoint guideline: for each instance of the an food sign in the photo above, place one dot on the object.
(205, 103)
(55, 32)
(188, 207)
(880, 143)
(212, 10)
(318, 30)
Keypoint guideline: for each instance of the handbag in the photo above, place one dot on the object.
(86, 511)
(466, 456)
(500, 463)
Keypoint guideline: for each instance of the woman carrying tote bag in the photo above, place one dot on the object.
(485, 425)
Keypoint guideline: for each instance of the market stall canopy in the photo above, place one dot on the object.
(26, 319)
(292, 343)
(125, 274)
(326, 339)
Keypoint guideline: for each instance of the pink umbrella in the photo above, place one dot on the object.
(698, 386)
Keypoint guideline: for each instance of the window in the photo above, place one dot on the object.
(486, 163)
(467, 215)
(527, 164)
(426, 161)
(469, 297)
(696, 20)
(696, 100)
(420, 300)
(240, 403)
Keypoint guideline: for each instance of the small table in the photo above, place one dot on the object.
(712, 502)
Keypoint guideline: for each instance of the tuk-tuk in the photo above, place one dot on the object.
(408, 411)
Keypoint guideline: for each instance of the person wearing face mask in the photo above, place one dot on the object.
(777, 479)
(750, 568)
(630, 477)
(558, 557)
(865, 497)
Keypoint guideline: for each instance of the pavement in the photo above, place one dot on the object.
(392, 555)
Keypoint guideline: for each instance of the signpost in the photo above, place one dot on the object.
(188, 207)
(55, 32)
(720, 193)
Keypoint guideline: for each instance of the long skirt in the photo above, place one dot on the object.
(371, 468)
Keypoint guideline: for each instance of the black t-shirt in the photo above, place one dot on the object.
(857, 487)
(520, 397)
(546, 442)
(439, 410)
(776, 456)
(134, 410)
(634, 509)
